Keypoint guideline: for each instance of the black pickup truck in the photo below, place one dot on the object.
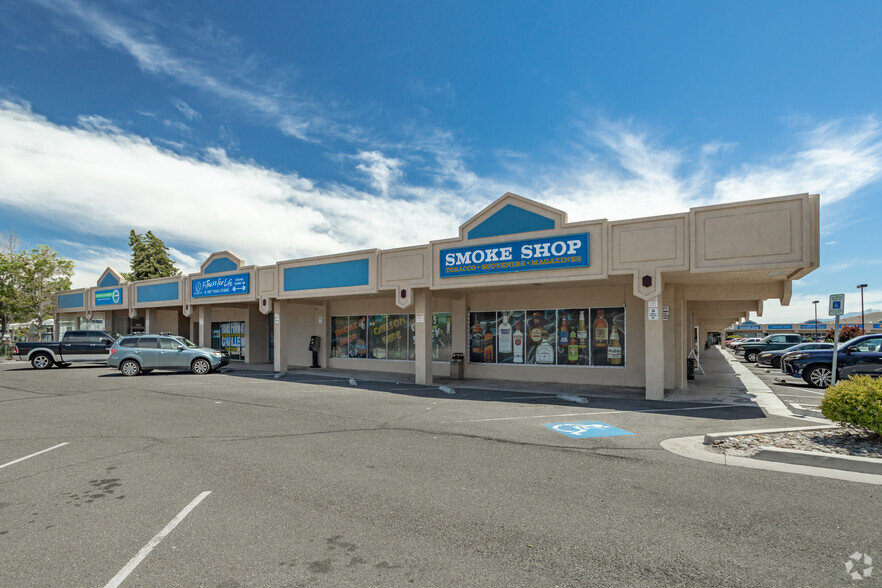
(74, 347)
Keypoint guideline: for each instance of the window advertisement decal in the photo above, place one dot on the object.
(563, 337)
(482, 337)
(608, 337)
(510, 338)
(387, 336)
(441, 339)
(376, 338)
(340, 336)
(396, 339)
(572, 337)
(542, 336)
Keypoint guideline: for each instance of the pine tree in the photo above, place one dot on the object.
(150, 258)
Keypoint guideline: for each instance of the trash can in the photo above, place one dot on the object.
(456, 366)
(690, 368)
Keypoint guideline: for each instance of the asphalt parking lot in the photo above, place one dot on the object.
(237, 479)
(787, 388)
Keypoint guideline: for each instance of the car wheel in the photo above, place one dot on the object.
(776, 363)
(41, 361)
(200, 366)
(130, 367)
(818, 377)
(750, 357)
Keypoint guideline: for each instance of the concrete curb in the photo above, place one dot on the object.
(849, 463)
(694, 448)
(804, 410)
(709, 438)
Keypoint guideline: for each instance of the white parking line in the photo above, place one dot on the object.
(145, 551)
(586, 414)
(32, 455)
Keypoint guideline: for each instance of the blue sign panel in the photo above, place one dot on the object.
(753, 327)
(877, 326)
(108, 297)
(222, 286)
(516, 256)
(780, 327)
(582, 429)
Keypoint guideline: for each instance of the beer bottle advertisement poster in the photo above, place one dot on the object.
(541, 336)
(573, 326)
(376, 339)
(510, 336)
(607, 335)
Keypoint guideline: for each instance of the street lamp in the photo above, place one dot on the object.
(815, 302)
(861, 288)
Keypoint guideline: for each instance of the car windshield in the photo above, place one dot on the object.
(185, 342)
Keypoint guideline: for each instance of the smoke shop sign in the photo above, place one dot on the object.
(516, 256)
(223, 286)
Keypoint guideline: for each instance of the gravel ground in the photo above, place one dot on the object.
(844, 440)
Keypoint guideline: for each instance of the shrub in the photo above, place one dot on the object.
(856, 402)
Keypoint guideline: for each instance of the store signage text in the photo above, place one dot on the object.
(516, 256)
(235, 284)
(108, 297)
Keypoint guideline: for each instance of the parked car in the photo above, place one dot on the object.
(859, 356)
(74, 347)
(751, 351)
(731, 342)
(773, 358)
(136, 354)
(734, 346)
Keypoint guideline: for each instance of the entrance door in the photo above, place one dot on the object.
(229, 336)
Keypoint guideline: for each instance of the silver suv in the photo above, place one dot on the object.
(135, 354)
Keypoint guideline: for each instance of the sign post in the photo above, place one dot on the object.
(837, 307)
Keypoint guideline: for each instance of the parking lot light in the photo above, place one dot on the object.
(861, 288)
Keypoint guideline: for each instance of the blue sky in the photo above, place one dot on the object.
(281, 130)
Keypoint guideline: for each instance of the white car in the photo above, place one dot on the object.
(736, 346)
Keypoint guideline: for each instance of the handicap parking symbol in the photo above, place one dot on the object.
(583, 429)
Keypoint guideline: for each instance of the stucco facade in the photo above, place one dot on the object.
(520, 292)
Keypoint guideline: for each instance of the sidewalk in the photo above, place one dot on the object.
(720, 384)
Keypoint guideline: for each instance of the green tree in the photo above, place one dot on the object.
(43, 273)
(11, 264)
(150, 258)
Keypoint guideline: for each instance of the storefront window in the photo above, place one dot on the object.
(569, 336)
(387, 336)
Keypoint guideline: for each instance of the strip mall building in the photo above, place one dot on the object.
(520, 292)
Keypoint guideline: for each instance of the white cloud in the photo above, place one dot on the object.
(107, 182)
(381, 171)
(835, 159)
(186, 110)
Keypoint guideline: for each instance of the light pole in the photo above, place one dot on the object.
(861, 288)
(815, 302)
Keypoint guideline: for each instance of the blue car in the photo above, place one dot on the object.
(137, 354)
(859, 356)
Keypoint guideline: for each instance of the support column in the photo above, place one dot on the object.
(654, 343)
(205, 326)
(459, 330)
(151, 321)
(423, 309)
(281, 328)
